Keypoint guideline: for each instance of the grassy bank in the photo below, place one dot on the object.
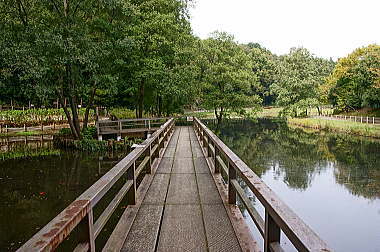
(353, 128)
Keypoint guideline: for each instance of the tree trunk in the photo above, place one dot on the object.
(88, 107)
(319, 110)
(68, 115)
(141, 99)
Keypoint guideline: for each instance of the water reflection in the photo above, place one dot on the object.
(332, 181)
(36, 188)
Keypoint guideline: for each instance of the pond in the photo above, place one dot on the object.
(332, 181)
(38, 181)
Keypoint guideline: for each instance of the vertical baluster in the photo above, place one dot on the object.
(208, 147)
(272, 232)
(131, 194)
(231, 188)
(87, 231)
(216, 163)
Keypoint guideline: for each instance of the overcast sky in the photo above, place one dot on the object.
(328, 28)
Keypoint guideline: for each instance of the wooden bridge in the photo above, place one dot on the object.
(180, 187)
(128, 127)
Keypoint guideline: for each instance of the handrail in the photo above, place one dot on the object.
(135, 120)
(80, 212)
(278, 216)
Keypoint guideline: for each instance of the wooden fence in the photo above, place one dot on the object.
(359, 119)
(79, 214)
(278, 216)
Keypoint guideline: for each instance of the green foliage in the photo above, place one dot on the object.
(64, 132)
(348, 127)
(226, 76)
(89, 132)
(91, 145)
(355, 82)
(122, 113)
(299, 81)
(34, 117)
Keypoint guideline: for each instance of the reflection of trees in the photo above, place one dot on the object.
(35, 190)
(297, 156)
(358, 165)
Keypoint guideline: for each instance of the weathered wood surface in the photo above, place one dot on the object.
(278, 216)
(182, 210)
(182, 202)
(79, 213)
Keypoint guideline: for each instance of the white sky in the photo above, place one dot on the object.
(328, 28)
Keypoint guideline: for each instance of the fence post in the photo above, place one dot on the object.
(24, 127)
(272, 232)
(367, 119)
(373, 120)
(361, 119)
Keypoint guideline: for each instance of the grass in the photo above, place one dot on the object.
(367, 130)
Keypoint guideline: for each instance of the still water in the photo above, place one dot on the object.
(38, 181)
(332, 181)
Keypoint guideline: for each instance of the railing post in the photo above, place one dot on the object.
(231, 188)
(208, 147)
(87, 226)
(131, 194)
(272, 232)
(216, 163)
(148, 167)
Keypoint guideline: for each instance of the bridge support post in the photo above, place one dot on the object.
(272, 232)
(231, 188)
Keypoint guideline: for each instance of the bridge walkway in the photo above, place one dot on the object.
(182, 209)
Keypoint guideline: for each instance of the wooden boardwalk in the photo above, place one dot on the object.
(182, 210)
(181, 187)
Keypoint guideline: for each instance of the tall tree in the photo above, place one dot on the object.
(299, 78)
(226, 75)
(355, 81)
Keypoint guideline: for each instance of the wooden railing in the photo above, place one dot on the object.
(278, 216)
(120, 126)
(79, 214)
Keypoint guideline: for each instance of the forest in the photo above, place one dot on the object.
(142, 55)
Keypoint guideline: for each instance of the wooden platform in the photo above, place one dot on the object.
(182, 209)
(179, 197)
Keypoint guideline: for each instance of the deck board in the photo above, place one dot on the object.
(186, 212)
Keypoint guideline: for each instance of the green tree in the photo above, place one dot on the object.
(355, 80)
(226, 76)
(299, 79)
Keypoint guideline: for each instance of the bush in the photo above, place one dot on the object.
(89, 132)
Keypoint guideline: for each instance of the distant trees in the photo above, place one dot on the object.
(355, 82)
(299, 80)
(226, 75)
